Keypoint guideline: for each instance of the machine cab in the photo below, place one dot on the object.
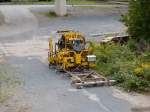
(72, 41)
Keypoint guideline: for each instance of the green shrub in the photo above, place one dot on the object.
(131, 71)
(138, 19)
(113, 58)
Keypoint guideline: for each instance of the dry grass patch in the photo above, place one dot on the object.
(9, 79)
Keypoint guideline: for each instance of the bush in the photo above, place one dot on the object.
(113, 58)
(138, 19)
(131, 71)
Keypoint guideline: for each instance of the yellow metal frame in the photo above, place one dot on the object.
(67, 58)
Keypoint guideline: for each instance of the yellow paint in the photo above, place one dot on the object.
(66, 57)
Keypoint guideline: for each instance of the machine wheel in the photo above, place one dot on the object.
(49, 65)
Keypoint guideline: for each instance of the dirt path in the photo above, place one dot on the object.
(44, 89)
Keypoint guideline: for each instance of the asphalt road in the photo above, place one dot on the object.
(23, 43)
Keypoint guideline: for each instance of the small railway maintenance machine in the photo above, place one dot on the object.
(69, 52)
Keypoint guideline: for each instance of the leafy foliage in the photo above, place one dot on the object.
(131, 71)
(138, 19)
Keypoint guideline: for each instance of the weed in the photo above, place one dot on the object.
(131, 71)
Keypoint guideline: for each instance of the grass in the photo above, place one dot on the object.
(93, 2)
(82, 2)
(9, 79)
(74, 2)
(129, 69)
(50, 14)
(97, 2)
(42, 2)
(33, 3)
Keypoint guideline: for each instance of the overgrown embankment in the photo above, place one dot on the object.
(129, 67)
(129, 64)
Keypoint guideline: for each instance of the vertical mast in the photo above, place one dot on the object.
(60, 7)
